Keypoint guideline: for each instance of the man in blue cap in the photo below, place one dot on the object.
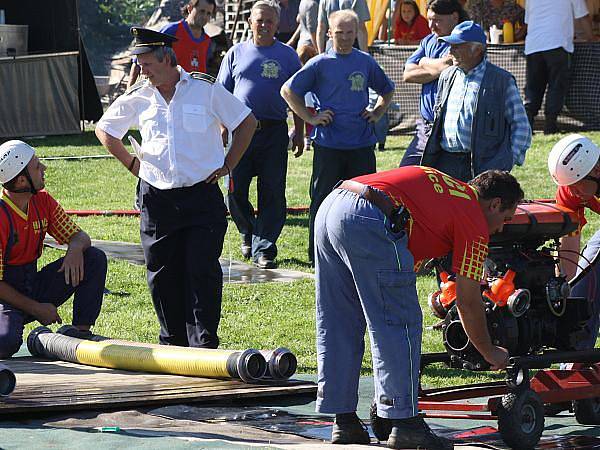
(479, 118)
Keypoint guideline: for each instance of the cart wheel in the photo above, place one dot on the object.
(521, 419)
(587, 411)
(381, 426)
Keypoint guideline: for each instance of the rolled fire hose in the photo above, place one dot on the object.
(281, 362)
(8, 381)
(248, 365)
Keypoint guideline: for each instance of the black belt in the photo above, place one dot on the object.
(269, 123)
(398, 215)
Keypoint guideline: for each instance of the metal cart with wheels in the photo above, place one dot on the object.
(518, 404)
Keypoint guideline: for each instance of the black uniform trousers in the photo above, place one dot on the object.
(266, 159)
(551, 68)
(182, 232)
(330, 166)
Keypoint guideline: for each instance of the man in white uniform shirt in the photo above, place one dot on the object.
(548, 49)
(181, 159)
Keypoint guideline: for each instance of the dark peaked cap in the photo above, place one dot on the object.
(147, 40)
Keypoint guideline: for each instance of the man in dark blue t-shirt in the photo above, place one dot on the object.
(254, 72)
(343, 136)
(424, 67)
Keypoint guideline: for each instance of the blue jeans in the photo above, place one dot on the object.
(381, 127)
(365, 278)
(266, 158)
(414, 152)
(588, 286)
(48, 286)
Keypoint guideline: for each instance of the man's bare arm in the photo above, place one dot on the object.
(45, 313)
(585, 23)
(428, 70)
(569, 254)
(321, 30)
(472, 316)
(298, 106)
(363, 37)
(118, 150)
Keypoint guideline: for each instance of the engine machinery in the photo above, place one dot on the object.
(528, 306)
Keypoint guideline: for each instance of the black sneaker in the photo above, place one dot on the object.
(349, 429)
(246, 249)
(71, 331)
(265, 262)
(550, 126)
(415, 433)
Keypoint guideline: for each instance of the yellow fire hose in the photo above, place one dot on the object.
(281, 362)
(248, 365)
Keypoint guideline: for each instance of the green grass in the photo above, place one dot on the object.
(257, 315)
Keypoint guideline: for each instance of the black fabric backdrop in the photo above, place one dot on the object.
(53, 28)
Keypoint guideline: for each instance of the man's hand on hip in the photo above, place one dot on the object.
(324, 118)
(371, 116)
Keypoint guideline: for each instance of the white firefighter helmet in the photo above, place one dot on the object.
(572, 158)
(14, 157)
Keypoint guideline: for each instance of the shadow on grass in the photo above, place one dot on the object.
(440, 370)
(297, 221)
(296, 263)
(86, 139)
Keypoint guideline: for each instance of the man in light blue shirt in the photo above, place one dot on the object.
(480, 121)
(343, 137)
(254, 72)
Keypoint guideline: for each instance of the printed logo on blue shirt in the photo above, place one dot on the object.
(357, 80)
(270, 69)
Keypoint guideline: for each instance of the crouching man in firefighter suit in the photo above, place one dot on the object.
(574, 164)
(27, 213)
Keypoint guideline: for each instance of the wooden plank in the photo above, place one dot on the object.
(44, 386)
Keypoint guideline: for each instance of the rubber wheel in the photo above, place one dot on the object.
(381, 426)
(521, 419)
(587, 411)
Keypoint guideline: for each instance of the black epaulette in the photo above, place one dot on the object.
(203, 76)
(135, 87)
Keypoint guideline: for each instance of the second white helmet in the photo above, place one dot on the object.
(14, 157)
(572, 158)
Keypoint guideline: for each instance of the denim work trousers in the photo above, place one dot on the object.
(48, 286)
(588, 287)
(330, 166)
(365, 278)
(266, 158)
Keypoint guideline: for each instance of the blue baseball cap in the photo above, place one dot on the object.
(467, 31)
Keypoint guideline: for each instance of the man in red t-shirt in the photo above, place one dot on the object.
(575, 167)
(27, 213)
(369, 233)
(193, 46)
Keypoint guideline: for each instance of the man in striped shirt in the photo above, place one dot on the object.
(480, 122)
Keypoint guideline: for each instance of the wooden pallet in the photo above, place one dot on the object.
(50, 386)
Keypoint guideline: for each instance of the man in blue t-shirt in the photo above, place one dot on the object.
(424, 67)
(343, 136)
(254, 72)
